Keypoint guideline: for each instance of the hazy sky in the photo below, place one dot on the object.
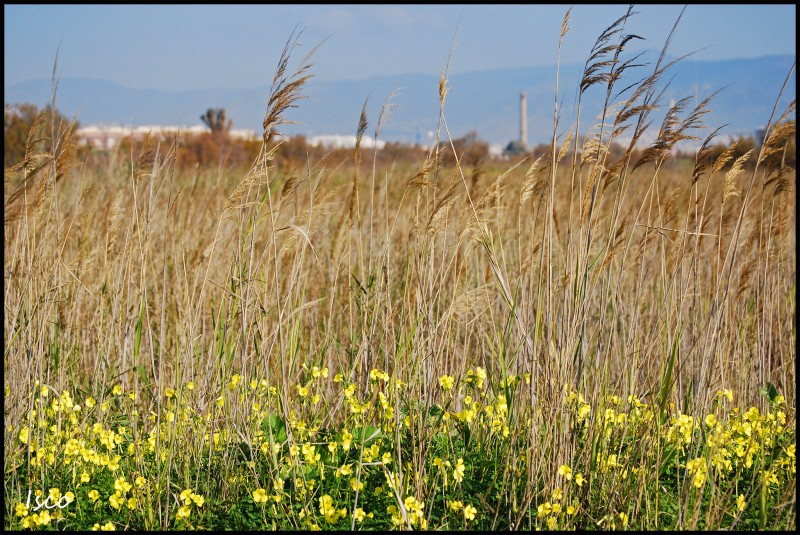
(207, 46)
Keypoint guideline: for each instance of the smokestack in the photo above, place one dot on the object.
(523, 119)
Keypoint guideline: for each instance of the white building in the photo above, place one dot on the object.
(106, 137)
(335, 141)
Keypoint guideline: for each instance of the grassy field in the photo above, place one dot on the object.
(579, 341)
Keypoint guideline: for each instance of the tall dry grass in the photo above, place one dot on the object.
(588, 272)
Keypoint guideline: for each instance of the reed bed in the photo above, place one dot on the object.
(578, 341)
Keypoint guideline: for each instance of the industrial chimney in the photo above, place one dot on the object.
(523, 119)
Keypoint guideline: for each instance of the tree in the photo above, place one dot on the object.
(217, 121)
(18, 120)
(470, 148)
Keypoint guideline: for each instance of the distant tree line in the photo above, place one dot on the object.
(217, 147)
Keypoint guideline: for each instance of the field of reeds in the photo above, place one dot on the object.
(577, 341)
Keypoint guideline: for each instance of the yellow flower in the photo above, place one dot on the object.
(558, 494)
(740, 502)
(122, 486)
(579, 479)
(69, 496)
(446, 382)
(551, 523)
(711, 420)
(21, 509)
(359, 515)
(183, 512)
(302, 391)
(108, 526)
(697, 467)
(458, 471)
(327, 510)
(198, 500)
(234, 381)
(170, 393)
(116, 500)
(624, 519)
(85, 477)
(113, 464)
(132, 504)
(93, 495)
(469, 512)
(355, 484)
(456, 505)
(260, 496)
(371, 452)
(117, 390)
(140, 482)
(186, 496)
(565, 471)
(343, 470)
(23, 435)
(347, 438)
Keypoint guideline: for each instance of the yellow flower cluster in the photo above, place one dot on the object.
(477, 377)
(415, 511)
(554, 513)
(188, 497)
(468, 510)
(581, 408)
(328, 511)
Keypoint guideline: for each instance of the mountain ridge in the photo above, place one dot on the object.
(485, 101)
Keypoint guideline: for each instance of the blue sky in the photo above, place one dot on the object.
(208, 46)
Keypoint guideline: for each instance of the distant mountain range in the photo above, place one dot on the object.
(484, 101)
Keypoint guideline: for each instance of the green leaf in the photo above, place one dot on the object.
(141, 372)
(369, 433)
(769, 391)
(275, 425)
